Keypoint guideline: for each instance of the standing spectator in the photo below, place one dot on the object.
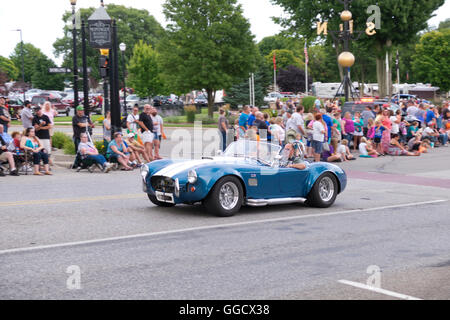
(358, 134)
(5, 117)
(5, 155)
(88, 151)
(80, 123)
(146, 124)
(366, 115)
(158, 126)
(318, 137)
(252, 116)
(278, 133)
(297, 121)
(261, 126)
(51, 113)
(107, 129)
(387, 124)
(132, 120)
(349, 127)
(118, 151)
(27, 115)
(34, 145)
(317, 105)
(223, 128)
(243, 121)
(42, 125)
(378, 135)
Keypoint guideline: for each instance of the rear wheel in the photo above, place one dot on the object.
(159, 203)
(226, 198)
(324, 192)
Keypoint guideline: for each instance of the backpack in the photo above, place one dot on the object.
(124, 123)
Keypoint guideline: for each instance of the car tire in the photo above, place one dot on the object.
(226, 197)
(324, 192)
(159, 203)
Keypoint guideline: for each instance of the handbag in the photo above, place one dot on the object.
(326, 146)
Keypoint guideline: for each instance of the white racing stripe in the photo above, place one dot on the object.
(176, 168)
(378, 290)
(219, 226)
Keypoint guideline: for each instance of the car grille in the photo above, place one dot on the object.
(163, 184)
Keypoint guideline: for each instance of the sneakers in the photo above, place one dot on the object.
(107, 167)
(14, 173)
(2, 174)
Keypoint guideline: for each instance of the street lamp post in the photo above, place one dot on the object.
(23, 62)
(122, 48)
(75, 63)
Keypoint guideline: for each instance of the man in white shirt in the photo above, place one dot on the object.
(298, 121)
(158, 125)
(132, 120)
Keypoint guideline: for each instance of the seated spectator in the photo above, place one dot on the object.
(33, 144)
(6, 156)
(136, 149)
(431, 134)
(118, 151)
(343, 149)
(87, 150)
(396, 149)
(331, 156)
(366, 149)
(5, 135)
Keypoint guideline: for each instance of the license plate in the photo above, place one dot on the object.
(165, 197)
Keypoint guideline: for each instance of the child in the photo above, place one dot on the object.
(378, 134)
(371, 129)
(366, 149)
(344, 150)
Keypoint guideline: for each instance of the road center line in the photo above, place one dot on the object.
(228, 225)
(378, 290)
(70, 200)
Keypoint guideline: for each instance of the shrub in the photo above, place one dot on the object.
(308, 103)
(100, 147)
(190, 113)
(69, 148)
(59, 139)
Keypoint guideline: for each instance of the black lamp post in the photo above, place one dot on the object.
(75, 63)
(23, 63)
(122, 48)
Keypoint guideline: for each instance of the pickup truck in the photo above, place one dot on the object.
(62, 108)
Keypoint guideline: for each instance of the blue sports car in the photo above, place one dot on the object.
(248, 173)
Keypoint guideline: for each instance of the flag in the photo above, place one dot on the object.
(306, 54)
(407, 75)
(274, 61)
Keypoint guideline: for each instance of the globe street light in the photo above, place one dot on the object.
(122, 48)
(75, 64)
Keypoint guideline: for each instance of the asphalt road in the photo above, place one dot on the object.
(395, 214)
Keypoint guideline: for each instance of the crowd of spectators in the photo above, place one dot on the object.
(330, 136)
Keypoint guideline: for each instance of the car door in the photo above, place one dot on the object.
(292, 182)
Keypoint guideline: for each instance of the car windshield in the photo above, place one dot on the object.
(262, 151)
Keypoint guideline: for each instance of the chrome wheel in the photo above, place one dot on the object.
(229, 196)
(326, 189)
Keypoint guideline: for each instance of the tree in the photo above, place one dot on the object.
(431, 63)
(444, 25)
(208, 45)
(8, 67)
(400, 21)
(292, 79)
(144, 71)
(42, 79)
(239, 94)
(284, 58)
(31, 55)
(133, 25)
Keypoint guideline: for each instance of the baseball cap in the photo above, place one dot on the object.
(131, 135)
(80, 108)
(37, 108)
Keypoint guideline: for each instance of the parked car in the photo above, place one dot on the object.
(15, 105)
(272, 97)
(406, 97)
(61, 107)
(201, 100)
(248, 173)
(361, 105)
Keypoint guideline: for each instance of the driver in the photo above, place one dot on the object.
(291, 159)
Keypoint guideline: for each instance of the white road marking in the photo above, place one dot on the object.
(378, 290)
(218, 226)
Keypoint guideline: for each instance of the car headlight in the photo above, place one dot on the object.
(145, 171)
(192, 177)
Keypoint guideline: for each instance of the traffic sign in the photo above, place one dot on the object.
(67, 70)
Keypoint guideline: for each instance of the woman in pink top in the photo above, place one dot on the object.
(50, 112)
(387, 123)
(349, 128)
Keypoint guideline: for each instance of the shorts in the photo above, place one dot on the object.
(377, 140)
(4, 156)
(148, 137)
(317, 146)
(157, 137)
(358, 134)
(47, 146)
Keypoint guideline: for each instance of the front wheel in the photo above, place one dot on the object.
(324, 192)
(159, 203)
(226, 197)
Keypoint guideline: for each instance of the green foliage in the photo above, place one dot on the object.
(7, 66)
(100, 145)
(431, 63)
(133, 25)
(42, 79)
(190, 111)
(207, 45)
(144, 71)
(308, 103)
(284, 58)
(69, 148)
(444, 25)
(59, 139)
(239, 94)
(32, 56)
